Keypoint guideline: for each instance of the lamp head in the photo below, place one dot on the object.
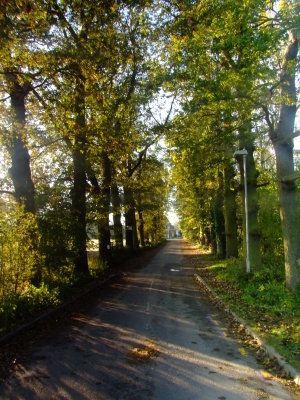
(238, 153)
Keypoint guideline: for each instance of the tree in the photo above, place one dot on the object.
(151, 191)
(230, 209)
(18, 73)
(78, 64)
(282, 134)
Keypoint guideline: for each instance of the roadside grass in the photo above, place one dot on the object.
(261, 299)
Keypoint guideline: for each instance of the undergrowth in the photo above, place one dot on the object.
(23, 301)
(17, 306)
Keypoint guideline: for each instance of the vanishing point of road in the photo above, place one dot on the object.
(153, 335)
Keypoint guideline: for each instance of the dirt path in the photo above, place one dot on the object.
(151, 336)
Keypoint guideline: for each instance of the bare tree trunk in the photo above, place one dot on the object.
(140, 222)
(130, 220)
(79, 184)
(219, 222)
(103, 210)
(210, 240)
(282, 139)
(116, 206)
(230, 211)
(20, 170)
(247, 141)
(141, 228)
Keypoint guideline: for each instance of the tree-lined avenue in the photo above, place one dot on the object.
(153, 335)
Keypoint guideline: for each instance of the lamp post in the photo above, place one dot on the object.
(244, 154)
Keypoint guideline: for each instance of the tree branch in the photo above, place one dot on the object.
(132, 84)
(162, 126)
(8, 192)
(89, 169)
(145, 149)
(286, 139)
(262, 185)
(291, 178)
(140, 158)
(269, 121)
(63, 19)
(49, 143)
(5, 98)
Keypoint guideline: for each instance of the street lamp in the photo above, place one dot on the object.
(244, 154)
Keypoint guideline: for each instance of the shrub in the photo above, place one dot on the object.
(271, 293)
(233, 271)
(271, 232)
(96, 266)
(56, 240)
(18, 306)
(19, 258)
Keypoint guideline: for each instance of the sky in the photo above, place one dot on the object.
(172, 217)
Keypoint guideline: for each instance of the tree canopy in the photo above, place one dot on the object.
(81, 135)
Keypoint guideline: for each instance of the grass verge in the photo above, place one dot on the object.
(261, 299)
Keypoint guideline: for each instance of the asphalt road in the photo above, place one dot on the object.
(152, 336)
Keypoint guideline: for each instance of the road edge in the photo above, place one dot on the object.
(115, 273)
(55, 311)
(268, 348)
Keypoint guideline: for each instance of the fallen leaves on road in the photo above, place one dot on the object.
(267, 375)
(143, 353)
(233, 296)
(242, 351)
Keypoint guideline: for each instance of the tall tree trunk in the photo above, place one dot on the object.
(116, 207)
(219, 222)
(79, 184)
(20, 170)
(211, 238)
(230, 211)
(103, 210)
(282, 139)
(135, 235)
(141, 228)
(247, 141)
(140, 222)
(130, 220)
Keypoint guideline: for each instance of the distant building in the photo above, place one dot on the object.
(172, 231)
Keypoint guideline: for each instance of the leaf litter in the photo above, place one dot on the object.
(272, 370)
(144, 353)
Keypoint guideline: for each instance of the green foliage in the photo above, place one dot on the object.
(270, 226)
(97, 267)
(271, 293)
(231, 270)
(55, 246)
(66, 281)
(264, 287)
(20, 306)
(95, 69)
(151, 189)
(20, 263)
(19, 256)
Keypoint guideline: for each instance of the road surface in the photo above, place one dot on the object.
(152, 336)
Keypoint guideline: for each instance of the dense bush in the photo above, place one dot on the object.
(19, 256)
(265, 287)
(54, 222)
(18, 306)
(20, 265)
(270, 226)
